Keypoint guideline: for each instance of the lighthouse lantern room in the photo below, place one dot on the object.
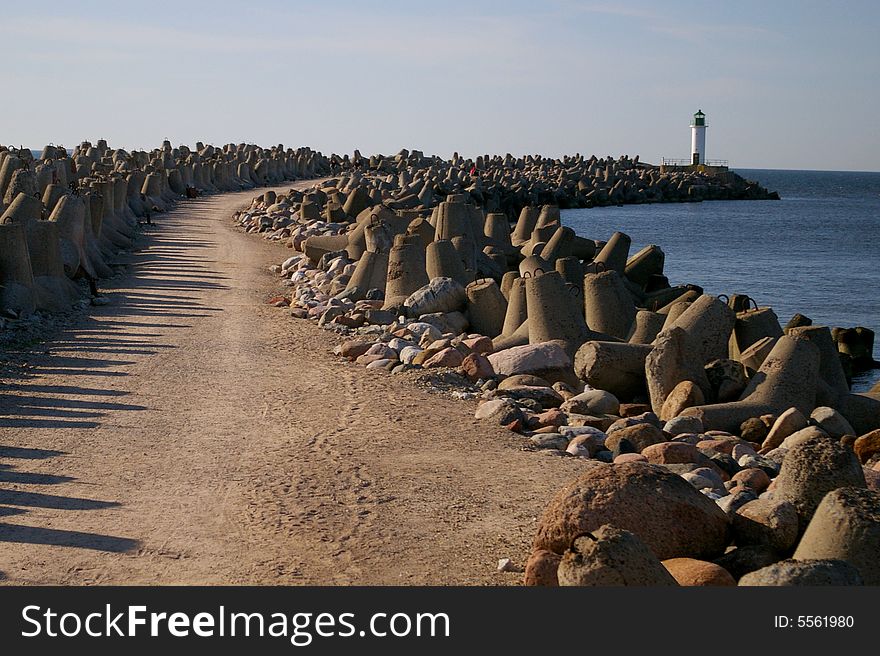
(698, 138)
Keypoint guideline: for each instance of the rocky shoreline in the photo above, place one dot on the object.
(718, 446)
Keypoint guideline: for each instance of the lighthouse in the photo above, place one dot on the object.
(698, 138)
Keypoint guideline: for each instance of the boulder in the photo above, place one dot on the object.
(672, 453)
(685, 394)
(547, 397)
(804, 572)
(609, 556)
(448, 357)
(787, 423)
(803, 435)
(682, 425)
(846, 526)
(766, 522)
(692, 572)
(741, 560)
(446, 322)
(530, 359)
(523, 379)
(541, 569)
(475, 366)
(811, 470)
(593, 402)
(832, 422)
(753, 478)
(666, 513)
(640, 436)
(867, 446)
(500, 411)
(754, 430)
(439, 295)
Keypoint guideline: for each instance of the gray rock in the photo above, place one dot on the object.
(499, 411)
(733, 502)
(593, 402)
(610, 556)
(741, 560)
(846, 526)
(813, 469)
(439, 295)
(682, 425)
(832, 422)
(804, 572)
(549, 441)
(769, 522)
(446, 322)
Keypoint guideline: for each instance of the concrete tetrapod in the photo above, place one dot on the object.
(92, 224)
(51, 196)
(554, 312)
(663, 300)
(453, 220)
(754, 356)
(120, 198)
(559, 245)
(487, 307)
(608, 305)
(17, 293)
(751, 326)
(442, 260)
(152, 190)
(497, 230)
(23, 210)
(54, 291)
(371, 272)
(833, 385)
(534, 265)
(613, 255)
(516, 312)
(647, 262)
(708, 323)
(507, 282)
(681, 351)
(571, 269)
(69, 214)
(406, 269)
(528, 219)
(519, 337)
(783, 381)
(862, 411)
(646, 327)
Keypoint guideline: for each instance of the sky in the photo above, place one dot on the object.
(784, 84)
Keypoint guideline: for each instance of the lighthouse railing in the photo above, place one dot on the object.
(666, 161)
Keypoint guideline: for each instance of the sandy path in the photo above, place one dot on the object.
(190, 433)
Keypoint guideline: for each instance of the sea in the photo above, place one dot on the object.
(816, 251)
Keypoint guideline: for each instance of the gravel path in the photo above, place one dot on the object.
(189, 433)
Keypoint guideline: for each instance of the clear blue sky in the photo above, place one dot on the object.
(784, 84)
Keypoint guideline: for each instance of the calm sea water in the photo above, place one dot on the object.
(816, 251)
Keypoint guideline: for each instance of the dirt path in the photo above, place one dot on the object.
(189, 433)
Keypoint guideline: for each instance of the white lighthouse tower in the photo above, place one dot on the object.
(698, 138)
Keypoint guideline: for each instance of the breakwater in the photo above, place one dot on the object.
(717, 442)
(65, 216)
